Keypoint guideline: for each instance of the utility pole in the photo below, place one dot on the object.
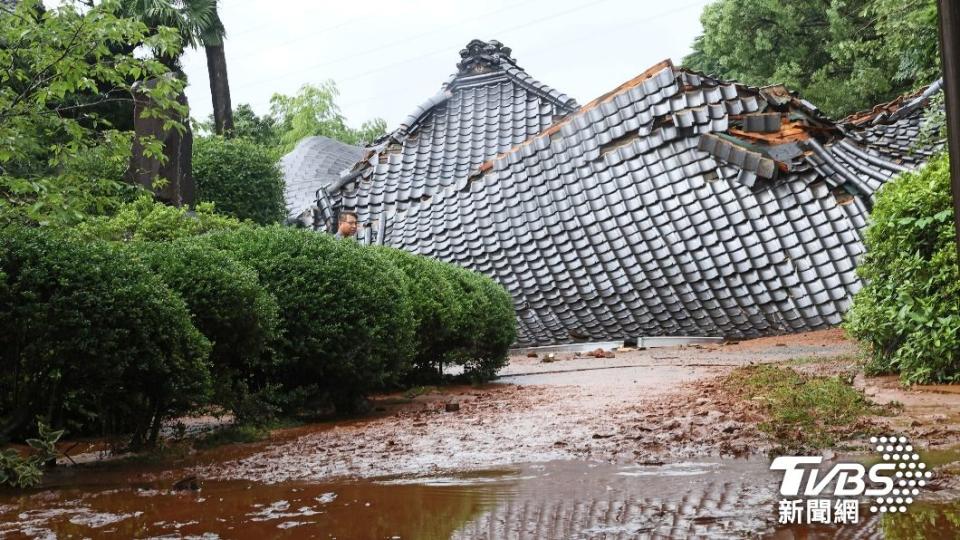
(949, 11)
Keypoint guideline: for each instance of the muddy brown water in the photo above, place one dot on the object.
(566, 499)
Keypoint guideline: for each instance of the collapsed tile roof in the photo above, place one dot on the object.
(487, 107)
(676, 204)
(314, 164)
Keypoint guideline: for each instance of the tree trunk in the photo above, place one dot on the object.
(177, 147)
(219, 90)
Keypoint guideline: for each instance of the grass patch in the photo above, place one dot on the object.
(162, 454)
(809, 360)
(924, 520)
(232, 435)
(419, 391)
(803, 412)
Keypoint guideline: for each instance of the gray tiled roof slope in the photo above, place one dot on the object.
(895, 130)
(487, 107)
(316, 162)
(880, 143)
(654, 210)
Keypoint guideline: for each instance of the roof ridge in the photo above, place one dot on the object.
(480, 58)
(603, 98)
(895, 109)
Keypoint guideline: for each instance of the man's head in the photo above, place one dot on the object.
(348, 224)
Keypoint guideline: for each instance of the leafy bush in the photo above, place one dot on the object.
(240, 177)
(345, 316)
(21, 471)
(86, 184)
(435, 305)
(146, 219)
(483, 324)
(228, 305)
(92, 341)
(908, 312)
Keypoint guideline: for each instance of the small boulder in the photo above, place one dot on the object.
(190, 483)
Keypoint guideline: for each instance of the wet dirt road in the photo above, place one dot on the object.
(642, 445)
(641, 406)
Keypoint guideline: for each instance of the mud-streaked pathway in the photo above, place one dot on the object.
(641, 406)
(642, 445)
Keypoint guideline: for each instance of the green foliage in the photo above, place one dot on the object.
(435, 304)
(843, 55)
(148, 220)
(802, 412)
(313, 111)
(52, 68)
(227, 305)
(261, 130)
(908, 312)
(88, 184)
(926, 519)
(241, 177)
(92, 341)
(59, 70)
(236, 434)
(460, 318)
(346, 320)
(19, 471)
(483, 323)
(196, 21)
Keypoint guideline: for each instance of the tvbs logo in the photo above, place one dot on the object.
(891, 484)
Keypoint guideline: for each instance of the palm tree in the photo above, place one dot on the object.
(199, 24)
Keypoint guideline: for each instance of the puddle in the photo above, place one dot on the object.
(561, 499)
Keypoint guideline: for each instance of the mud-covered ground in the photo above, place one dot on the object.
(646, 443)
(642, 406)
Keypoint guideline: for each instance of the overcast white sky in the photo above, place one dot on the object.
(388, 57)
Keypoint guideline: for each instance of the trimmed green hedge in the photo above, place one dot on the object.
(92, 340)
(148, 220)
(461, 318)
(241, 177)
(345, 315)
(434, 305)
(228, 305)
(114, 336)
(483, 326)
(908, 312)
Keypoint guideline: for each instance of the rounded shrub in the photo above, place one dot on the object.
(228, 305)
(435, 304)
(908, 311)
(240, 177)
(483, 324)
(149, 220)
(92, 340)
(346, 319)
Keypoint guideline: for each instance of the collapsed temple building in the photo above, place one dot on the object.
(675, 204)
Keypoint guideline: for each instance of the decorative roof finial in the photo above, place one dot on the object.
(483, 57)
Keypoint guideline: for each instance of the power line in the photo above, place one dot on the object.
(445, 48)
(313, 31)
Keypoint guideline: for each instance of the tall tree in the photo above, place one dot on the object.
(219, 84)
(199, 24)
(58, 67)
(314, 111)
(843, 55)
